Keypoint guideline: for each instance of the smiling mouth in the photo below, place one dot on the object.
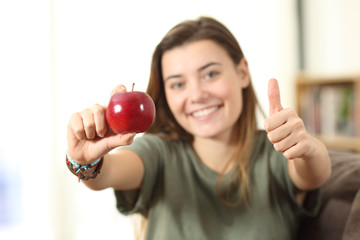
(205, 112)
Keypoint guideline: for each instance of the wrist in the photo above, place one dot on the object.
(84, 172)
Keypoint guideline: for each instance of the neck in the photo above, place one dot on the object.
(214, 153)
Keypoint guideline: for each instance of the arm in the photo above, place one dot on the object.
(121, 170)
(309, 163)
(88, 139)
(311, 171)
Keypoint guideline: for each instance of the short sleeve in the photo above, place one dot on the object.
(149, 148)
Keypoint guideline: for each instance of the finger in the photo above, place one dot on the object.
(76, 126)
(99, 119)
(274, 97)
(279, 133)
(119, 140)
(127, 139)
(118, 88)
(286, 143)
(293, 152)
(89, 123)
(274, 122)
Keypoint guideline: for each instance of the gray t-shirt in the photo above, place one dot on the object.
(180, 199)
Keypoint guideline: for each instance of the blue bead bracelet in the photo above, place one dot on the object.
(78, 169)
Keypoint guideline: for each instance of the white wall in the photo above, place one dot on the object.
(26, 110)
(332, 36)
(60, 56)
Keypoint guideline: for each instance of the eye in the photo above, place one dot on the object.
(211, 74)
(176, 85)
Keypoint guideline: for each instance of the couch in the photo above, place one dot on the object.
(339, 217)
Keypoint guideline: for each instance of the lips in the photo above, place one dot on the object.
(205, 112)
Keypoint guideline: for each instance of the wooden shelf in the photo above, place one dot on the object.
(310, 90)
(341, 142)
(313, 79)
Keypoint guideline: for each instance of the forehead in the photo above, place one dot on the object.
(192, 55)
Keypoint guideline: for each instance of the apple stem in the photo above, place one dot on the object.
(133, 87)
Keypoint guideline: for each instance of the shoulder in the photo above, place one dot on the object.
(261, 144)
(270, 167)
(263, 152)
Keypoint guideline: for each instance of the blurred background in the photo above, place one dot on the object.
(61, 56)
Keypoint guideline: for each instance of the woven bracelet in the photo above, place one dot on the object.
(80, 170)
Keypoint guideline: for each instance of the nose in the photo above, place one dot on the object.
(198, 92)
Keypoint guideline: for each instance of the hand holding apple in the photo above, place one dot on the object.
(130, 112)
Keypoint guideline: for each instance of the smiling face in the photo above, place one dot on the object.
(203, 88)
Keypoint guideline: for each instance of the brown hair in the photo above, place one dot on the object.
(165, 123)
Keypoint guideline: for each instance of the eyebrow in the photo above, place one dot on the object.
(199, 70)
(208, 65)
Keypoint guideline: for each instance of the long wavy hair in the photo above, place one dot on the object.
(245, 127)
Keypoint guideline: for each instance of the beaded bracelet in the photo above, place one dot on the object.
(79, 170)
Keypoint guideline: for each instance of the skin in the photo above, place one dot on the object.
(203, 89)
(309, 162)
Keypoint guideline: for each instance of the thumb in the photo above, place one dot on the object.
(118, 88)
(274, 97)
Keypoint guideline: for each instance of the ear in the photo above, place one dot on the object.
(243, 72)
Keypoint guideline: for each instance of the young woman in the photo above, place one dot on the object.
(203, 170)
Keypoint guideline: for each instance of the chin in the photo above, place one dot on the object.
(206, 134)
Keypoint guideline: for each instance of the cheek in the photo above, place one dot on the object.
(174, 102)
(228, 86)
(227, 92)
(234, 99)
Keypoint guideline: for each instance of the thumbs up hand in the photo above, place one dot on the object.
(285, 128)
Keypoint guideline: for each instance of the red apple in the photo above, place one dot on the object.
(130, 112)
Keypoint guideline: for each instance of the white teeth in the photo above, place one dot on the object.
(205, 112)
